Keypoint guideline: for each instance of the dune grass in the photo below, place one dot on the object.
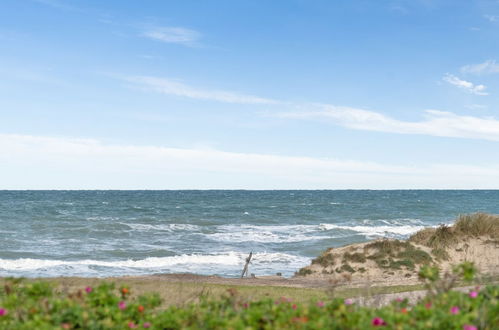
(471, 225)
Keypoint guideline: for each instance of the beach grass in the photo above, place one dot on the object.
(470, 225)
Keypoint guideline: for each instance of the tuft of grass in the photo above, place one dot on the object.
(354, 257)
(478, 224)
(394, 253)
(471, 225)
(415, 255)
(326, 259)
(387, 246)
(440, 253)
(304, 272)
(397, 264)
(444, 236)
(422, 236)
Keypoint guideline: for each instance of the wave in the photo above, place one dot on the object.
(370, 231)
(228, 263)
(265, 234)
(298, 233)
(161, 227)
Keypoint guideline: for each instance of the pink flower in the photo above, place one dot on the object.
(294, 306)
(348, 301)
(399, 299)
(469, 327)
(132, 325)
(428, 305)
(378, 321)
(246, 305)
(122, 305)
(3, 312)
(473, 294)
(88, 289)
(320, 304)
(146, 325)
(454, 310)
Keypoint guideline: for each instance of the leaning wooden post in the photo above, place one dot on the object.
(245, 269)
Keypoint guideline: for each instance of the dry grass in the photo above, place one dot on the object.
(478, 224)
(472, 225)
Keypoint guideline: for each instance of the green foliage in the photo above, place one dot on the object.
(325, 259)
(354, 257)
(395, 254)
(37, 306)
(304, 272)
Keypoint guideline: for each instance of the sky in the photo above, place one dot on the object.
(248, 94)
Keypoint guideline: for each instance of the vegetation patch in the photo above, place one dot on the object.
(441, 254)
(347, 268)
(354, 257)
(472, 225)
(395, 254)
(304, 272)
(36, 305)
(325, 259)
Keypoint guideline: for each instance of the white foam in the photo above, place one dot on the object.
(265, 234)
(228, 263)
(162, 227)
(377, 230)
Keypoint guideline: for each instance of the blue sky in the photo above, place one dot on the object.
(249, 94)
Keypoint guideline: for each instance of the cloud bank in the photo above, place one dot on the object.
(38, 162)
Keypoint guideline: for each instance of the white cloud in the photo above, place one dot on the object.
(175, 35)
(436, 123)
(171, 87)
(466, 85)
(487, 67)
(38, 162)
(491, 18)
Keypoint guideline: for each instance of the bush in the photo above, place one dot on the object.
(38, 306)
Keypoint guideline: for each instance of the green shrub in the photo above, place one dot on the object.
(38, 306)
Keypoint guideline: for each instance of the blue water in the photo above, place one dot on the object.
(109, 233)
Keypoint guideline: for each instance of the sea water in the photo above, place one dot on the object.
(113, 233)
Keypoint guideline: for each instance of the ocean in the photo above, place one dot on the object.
(114, 233)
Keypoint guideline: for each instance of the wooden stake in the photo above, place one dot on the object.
(245, 269)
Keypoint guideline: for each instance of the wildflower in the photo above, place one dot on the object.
(246, 305)
(473, 294)
(146, 325)
(125, 291)
(378, 321)
(302, 319)
(140, 308)
(469, 327)
(403, 310)
(399, 299)
(428, 305)
(348, 301)
(320, 304)
(66, 326)
(294, 306)
(88, 289)
(3, 312)
(132, 325)
(454, 310)
(122, 305)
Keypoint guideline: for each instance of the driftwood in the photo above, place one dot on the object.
(245, 269)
